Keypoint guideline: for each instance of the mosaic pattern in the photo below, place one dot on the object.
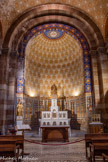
(48, 64)
(20, 85)
(58, 62)
(53, 33)
(97, 10)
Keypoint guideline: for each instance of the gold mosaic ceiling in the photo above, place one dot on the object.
(50, 61)
(11, 9)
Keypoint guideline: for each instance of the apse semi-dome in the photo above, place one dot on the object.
(54, 56)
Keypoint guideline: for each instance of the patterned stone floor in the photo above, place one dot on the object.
(63, 153)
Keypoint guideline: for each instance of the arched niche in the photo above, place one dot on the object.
(42, 14)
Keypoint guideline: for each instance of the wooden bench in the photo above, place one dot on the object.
(89, 137)
(18, 138)
(97, 149)
(97, 143)
(105, 157)
(10, 150)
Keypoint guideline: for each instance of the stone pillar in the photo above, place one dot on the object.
(7, 88)
(103, 80)
(95, 79)
(20, 84)
(12, 75)
(99, 61)
(4, 65)
(103, 61)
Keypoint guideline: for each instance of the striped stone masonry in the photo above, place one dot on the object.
(8, 68)
(103, 58)
(3, 87)
(104, 68)
(95, 79)
(10, 116)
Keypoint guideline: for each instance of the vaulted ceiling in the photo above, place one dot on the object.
(54, 56)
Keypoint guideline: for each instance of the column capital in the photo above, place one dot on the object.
(93, 52)
(13, 53)
(106, 47)
(101, 50)
(4, 50)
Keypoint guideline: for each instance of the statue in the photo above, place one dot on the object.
(53, 90)
(19, 109)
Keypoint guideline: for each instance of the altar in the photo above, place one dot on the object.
(54, 123)
(58, 133)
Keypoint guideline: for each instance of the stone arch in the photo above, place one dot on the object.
(106, 29)
(53, 13)
(66, 20)
(1, 35)
(42, 13)
(39, 15)
(0, 30)
(73, 31)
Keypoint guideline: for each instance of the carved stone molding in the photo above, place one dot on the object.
(106, 48)
(4, 50)
(13, 53)
(0, 51)
(101, 50)
(93, 53)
